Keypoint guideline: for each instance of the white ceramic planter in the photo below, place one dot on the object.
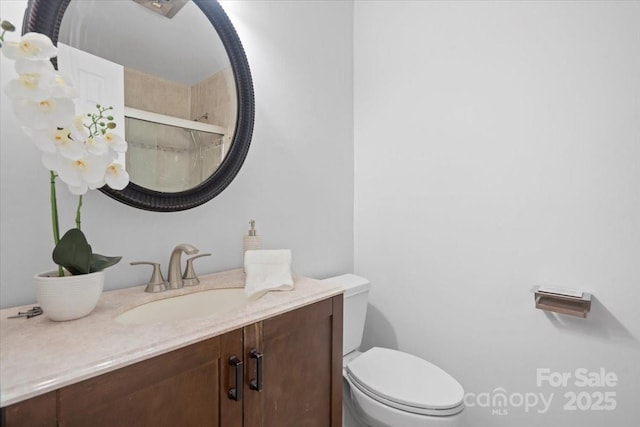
(68, 297)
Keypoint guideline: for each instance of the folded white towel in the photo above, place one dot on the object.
(267, 270)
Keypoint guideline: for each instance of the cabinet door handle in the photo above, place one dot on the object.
(256, 384)
(236, 392)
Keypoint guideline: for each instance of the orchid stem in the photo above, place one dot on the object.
(54, 215)
(54, 209)
(78, 212)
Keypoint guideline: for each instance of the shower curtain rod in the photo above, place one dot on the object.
(173, 121)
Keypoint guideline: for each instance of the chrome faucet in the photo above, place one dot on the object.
(175, 264)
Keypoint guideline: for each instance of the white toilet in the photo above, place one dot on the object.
(389, 388)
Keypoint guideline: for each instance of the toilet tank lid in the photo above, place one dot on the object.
(351, 283)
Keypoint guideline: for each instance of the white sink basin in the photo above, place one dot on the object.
(188, 306)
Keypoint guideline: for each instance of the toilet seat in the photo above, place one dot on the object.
(405, 382)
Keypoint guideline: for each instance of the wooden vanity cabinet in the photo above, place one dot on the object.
(298, 356)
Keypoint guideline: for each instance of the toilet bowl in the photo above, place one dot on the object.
(390, 388)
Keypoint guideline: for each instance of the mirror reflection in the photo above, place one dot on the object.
(168, 77)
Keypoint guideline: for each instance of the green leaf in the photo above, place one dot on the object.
(100, 262)
(73, 252)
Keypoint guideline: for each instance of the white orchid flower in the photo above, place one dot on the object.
(78, 190)
(58, 140)
(69, 171)
(116, 176)
(34, 46)
(35, 81)
(45, 114)
(40, 67)
(79, 131)
(87, 170)
(28, 86)
(51, 161)
(115, 142)
(46, 140)
(96, 145)
(97, 184)
(67, 147)
(61, 88)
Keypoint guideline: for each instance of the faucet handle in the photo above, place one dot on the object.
(156, 282)
(189, 278)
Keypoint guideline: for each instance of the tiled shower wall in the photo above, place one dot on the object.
(214, 96)
(150, 93)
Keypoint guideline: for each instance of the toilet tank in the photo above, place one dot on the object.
(356, 296)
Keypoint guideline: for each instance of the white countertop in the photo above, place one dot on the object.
(38, 355)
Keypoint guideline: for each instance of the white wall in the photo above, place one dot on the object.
(304, 102)
(497, 147)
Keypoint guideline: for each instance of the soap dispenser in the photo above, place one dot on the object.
(252, 240)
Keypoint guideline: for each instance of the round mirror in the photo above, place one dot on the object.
(178, 79)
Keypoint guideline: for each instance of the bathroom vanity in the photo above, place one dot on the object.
(274, 362)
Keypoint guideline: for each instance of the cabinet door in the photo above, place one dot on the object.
(179, 388)
(39, 411)
(301, 368)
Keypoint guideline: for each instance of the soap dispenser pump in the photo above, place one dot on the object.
(252, 240)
